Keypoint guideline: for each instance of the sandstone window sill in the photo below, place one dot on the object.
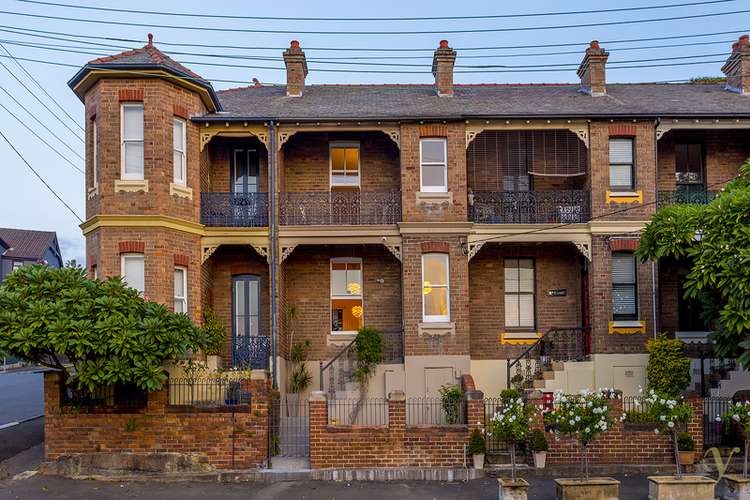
(436, 329)
(427, 198)
(519, 338)
(340, 339)
(624, 196)
(92, 192)
(131, 186)
(180, 190)
(627, 327)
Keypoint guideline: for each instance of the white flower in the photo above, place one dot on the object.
(662, 418)
(670, 424)
(736, 418)
(656, 431)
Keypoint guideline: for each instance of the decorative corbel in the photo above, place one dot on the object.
(474, 248)
(584, 248)
(207, 251)
(395, 250)
(286, 251)
(262, 251)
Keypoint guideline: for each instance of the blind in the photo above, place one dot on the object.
(623, 268)
(621, 150)
(623, 300)
(132, 271)
(621, 176)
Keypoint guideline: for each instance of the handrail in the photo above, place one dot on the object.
(337, 356)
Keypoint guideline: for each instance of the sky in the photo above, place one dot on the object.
(26, 202)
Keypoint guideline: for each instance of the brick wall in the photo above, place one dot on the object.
(556, 265)
(622, 443)
(224, 438)
(392, 445)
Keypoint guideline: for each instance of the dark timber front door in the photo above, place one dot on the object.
(245, 318)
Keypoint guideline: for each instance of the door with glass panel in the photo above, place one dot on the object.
(244, 184)
(246, 349)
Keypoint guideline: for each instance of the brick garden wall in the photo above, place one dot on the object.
(223, 438)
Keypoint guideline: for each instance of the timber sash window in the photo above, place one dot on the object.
(132, 270)
(435, 288)
(132, 142)
(346, 295)
(94, 155)
(621, 164)
(178, 152)
(344, 157)
(519, 294)
(433, 171)
(180, 289)
(624, 290)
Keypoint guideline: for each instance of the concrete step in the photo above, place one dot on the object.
(558, 366)
(548, 375)
(539, 384)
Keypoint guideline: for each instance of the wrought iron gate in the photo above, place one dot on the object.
(290, 427)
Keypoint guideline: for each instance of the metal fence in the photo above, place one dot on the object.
(208, 392)
(697, 197)
(290, 427)
(435, 411)
(234, 209)
(636, 409)
(718, 433)
(368, 411)
(119, 396)
(494, 444)
(530, 207)
(340, 208)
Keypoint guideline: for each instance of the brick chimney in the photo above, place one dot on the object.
(591, 71)
(737, 67)
(442, 68)
(296, 69)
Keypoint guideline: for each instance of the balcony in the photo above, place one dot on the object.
(234, 209)
(340, 208)
(251, 352)
(694, 197)
(530, 207)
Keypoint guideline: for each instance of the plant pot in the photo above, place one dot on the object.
(687, 457)
(737, 487)
(513, 490)
(478, 460)
(540, 459)
(213, 362)
(595, 488)
(669, 487)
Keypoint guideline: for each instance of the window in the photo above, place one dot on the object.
(94, 155)
(519, 294)
(180, 290)
(17, 264)
(344, 164)
(624, 291)
(178, 151)
(621, 175)
(346, 295)
(132, 142)
(132, 271)
(688, 164)
(435, 288)
(94, 272)
(433, 165)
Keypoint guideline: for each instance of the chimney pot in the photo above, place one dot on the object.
(594, 44)
(294, 44)
(737, 67)
(256, 82)
(296, 69)
(442, 68)
(150, 39)
(592, 70)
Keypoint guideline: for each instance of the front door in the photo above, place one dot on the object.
(245, 319)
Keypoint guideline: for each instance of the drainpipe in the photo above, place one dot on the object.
(653, 262)
(272, 227)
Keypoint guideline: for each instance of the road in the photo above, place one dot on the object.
(21, 398)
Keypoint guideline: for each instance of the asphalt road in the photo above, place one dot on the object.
(21, 395)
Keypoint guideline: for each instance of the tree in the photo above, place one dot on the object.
(105, 330)
(716, 238)
(511, 423)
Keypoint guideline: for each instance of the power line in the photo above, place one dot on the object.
(361, 33)
(53, 148)
(36, 82)
(41, 178)
(440, 18)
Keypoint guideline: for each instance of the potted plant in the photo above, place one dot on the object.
(511, 424)
(477, 448)
(686, 445)
(539, 446)
(583, 417)
(671, 414)
(215, 333)
(300, 377)
(738, 486)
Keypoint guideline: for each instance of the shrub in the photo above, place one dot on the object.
(511, 423)
(214, 331)
(538, 442)
(685, 442)
(451, 397)
(300, 377)
(668, 368)
(739, 414)
(477, 445)
(368, 346)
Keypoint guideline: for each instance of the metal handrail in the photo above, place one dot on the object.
(337, 356)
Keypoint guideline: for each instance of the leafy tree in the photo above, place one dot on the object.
(368, 347)
(716, 238)
(668, 368)
(105, 330)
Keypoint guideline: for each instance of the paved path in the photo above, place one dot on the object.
(22, 395)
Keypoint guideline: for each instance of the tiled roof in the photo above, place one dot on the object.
(320, 102)
(27, 244)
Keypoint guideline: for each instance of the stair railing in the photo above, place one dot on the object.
(331, 369)
(556, 344)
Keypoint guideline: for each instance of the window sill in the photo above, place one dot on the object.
(430, 198)
(340, 338)
(180, 190)
(692, 337)
(624, 196)
(436, 329)
(627, 327)
(92, 192)
(131, 186)
(519, 338)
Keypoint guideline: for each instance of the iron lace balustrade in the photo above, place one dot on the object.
(340, 208)
(556, 345)
(234, 209)
(251, 352)
(700, 197)
(530, 207)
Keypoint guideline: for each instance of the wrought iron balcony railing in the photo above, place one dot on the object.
(251, 351)
(234, 209)
(340, 208)
(697, 197)
(530, 207)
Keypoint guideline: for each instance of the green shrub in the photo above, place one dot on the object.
(638, 416)
(477, 445)
(685, 442)
(668, 368)
(451, 396)
(300, 377)
(368, 347)
(537, 441)
(214, 331)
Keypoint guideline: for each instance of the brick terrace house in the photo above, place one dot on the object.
(23, 247)
(463, 221)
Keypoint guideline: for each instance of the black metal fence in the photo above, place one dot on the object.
(530, 207)
(492, 406)
(234, 209)
(250, 351)
(340, 208)
(290, 427)
(717, 433)
(118, 396)
(208, 392)
(367, 411)
(435, 411)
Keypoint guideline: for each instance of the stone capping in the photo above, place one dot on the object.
(436, 329)
(396, 396)
(474, 395)
(318, 396)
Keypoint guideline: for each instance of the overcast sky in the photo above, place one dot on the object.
(28, 204)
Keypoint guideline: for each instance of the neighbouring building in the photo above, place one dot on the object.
(22, 247)
(465, 222)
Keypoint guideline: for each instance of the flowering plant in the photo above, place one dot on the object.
(511, 423)
(582, 416)
(739, 414)
(669, 413)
